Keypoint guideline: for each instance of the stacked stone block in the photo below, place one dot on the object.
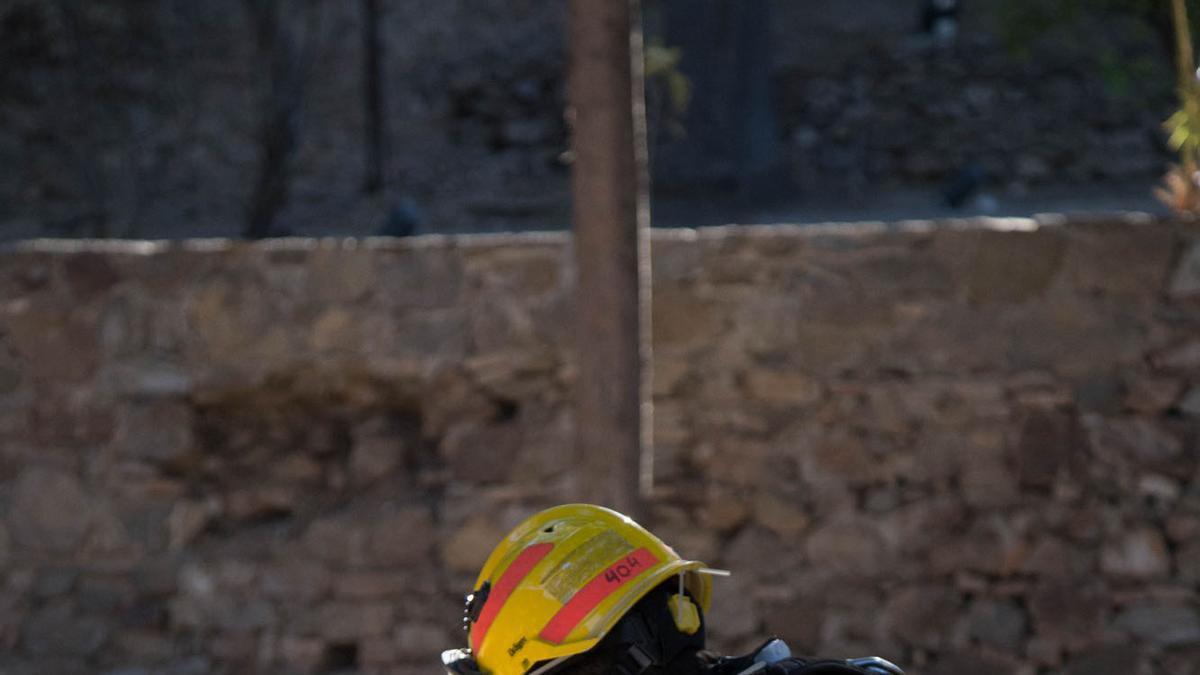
(964, 446)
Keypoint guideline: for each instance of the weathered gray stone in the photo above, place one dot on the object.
(453, 399)
(1181, 661)
(467, 448)
(98, 593)
(69, 417)
(997, 623)
(1158, 488)
(296, 579)
(412, 639)
(89, 273)
(1153, 395)
(1044, 652)
(921, 615)
(1068, 337)
(796, 619)
(187, 520)
(338, 541)
(1182, 528)
(244, 615)
(1100, 392)
(342, 275)
(918, 527)
(744, 551)
(1054, 558)
(1038, 255)
(669, 373)
(54, 582)
(373, 458)
(970, 662)
(419, 279)
(837, 458)
(235, 575)
(783, 516)
(58, 345)
(1161, 624)
(159, 432)
(990, 546)
(672, 426)
(335, 330)
(370, 585)
(237, 649)
(784, 388)
(48, 512)
(467, 548)
(301, 653)
(734, 613)
(298, 469)
(233, 315)
(346, 621)
(1132, 438)
(1068, 611)
(148, 378)
(405, 537)
(689, 541)
(1184, 356)
(880, 500)
(681, 320)
(1139, 554)
(378, 652)
(514, 373)
(1105, 660)
(852, 546)
(496, 323)
(262, 502)
(526, 271)
(1190, 404)
(1185, 282)
(988, 483)
(1120, 263)
(724, 510)
(55, 630)
(1187, 562)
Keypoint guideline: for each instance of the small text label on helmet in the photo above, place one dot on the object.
(517, 646)
(622, 570)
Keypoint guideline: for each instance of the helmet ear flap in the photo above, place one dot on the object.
(685, 613)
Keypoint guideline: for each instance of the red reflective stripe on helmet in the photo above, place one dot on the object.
(512, 576)
(605, 584)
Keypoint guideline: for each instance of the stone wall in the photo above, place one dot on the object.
(132, 119)
(969, 447)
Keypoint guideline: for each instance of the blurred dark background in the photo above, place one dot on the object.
(173, 118)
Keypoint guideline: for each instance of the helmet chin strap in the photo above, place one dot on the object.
(634, 661)
(649, 635)
(677, 607)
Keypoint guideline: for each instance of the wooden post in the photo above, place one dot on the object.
(610, 212)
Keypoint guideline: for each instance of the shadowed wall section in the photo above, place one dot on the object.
(965, 446)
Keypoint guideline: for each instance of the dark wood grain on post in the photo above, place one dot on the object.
(611, 221)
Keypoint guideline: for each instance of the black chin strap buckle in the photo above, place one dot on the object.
(634, 661)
